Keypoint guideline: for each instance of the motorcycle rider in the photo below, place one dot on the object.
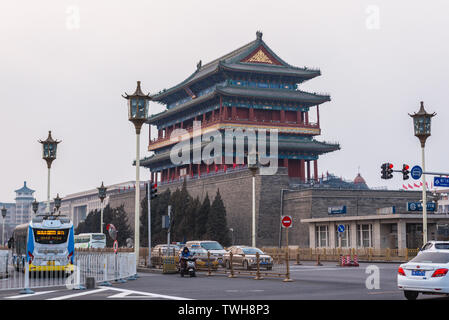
(185, 254)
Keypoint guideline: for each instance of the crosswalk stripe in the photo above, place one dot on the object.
(28, 295)
(78, 294)
(124, 293)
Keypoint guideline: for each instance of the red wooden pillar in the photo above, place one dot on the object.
(204, 117)
(308, 170)
(307, 117)
(302, 174)
(318, 115)
(285, 162)
(282, 116)
(315, 169)
(168, 174)
(199, 170)
(298, 117)
(220, 116)
(233, 113)
(213, 115)
(251, 114)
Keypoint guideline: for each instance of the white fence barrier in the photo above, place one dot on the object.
(3, 263)
(102, 266)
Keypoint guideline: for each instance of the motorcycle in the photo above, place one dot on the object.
(188, 265)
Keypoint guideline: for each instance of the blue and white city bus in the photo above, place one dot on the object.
(46, 243)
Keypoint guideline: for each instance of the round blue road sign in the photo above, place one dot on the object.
(341, 228)
(416, 172)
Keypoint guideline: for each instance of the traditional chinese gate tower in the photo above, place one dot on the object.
(249, 88)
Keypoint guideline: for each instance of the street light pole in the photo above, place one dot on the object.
(422, 125)
(253, 167)
(3, 230)
(49, 148)
(424, 198)
(138, 115)
(102, 195)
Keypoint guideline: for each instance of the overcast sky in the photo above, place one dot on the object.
(64, 65)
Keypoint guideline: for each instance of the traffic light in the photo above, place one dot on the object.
(387, 171)
(405, 171)
(384, 171)
(153, 190)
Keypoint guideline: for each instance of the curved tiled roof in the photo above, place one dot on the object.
(24, 189)
(232, 61)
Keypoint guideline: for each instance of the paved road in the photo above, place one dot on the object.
(310, 282)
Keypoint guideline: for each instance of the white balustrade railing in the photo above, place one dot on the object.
(102, 266)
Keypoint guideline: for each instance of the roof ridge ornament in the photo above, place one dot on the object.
(198, 65)
(259, 35)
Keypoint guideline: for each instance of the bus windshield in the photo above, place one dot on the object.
(45, 236)
(98, 236)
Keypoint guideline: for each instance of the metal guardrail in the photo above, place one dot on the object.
(103, 267)
(259, 269)
(333, 254)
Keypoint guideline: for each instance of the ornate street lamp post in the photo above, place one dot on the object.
(421, 124)
(35, 205)
(102, 195)
(58, 201)
(138, 115)
(253, 166)
(49, 147)
(4, 211)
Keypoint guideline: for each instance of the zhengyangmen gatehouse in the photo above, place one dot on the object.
(252, 88)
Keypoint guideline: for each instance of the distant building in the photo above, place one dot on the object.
(78, 205)
(24, 199)
(20, 211)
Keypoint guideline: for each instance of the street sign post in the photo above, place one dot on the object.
(416, 172)
(115, 246)
(441, 182)
(286, 222)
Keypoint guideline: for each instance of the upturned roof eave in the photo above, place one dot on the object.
(230, 61)
(273, 94)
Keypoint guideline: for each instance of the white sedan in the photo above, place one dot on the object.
(426, 273)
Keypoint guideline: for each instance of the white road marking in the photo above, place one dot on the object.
(29, 295)
(126, 294)
(384, 292)
(84, 293)
(318, 268)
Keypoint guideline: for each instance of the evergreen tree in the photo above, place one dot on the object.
(180, 201)
(217, 228)
(119, 219)
(116, 216)
(159, 207)
(201, 219)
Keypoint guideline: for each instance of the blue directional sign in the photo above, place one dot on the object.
(440, 182)
(341, 228)
(417, 206)
(416, 172)
(336, 210)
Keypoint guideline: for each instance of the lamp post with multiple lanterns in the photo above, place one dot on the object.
(58, 202)
(102, 195)
(49, 147)
(4, 211)
(35, 206)
(138, 115)
(421, 124)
